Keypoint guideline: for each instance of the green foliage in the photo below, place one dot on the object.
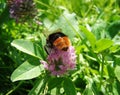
(36, 90)
(114, 28)
(117, 71)
(90, 37)
(69, 87)
(54, 82)
(93, 27)
(102, 45)
(33, 50)
(66, 22)
(27, 70)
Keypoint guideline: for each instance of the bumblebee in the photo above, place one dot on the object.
(58, 40)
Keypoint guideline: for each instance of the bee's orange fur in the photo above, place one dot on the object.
(62, 43)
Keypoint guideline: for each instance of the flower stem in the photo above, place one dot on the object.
(101, 71)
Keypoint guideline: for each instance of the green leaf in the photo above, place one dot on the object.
(102, 44)
(28, 47)
(116, 87)
(41, 86)
(88, 91)
(28, 70)
(110, 70)
(117, 60)
(37, 87)
(89, 35)
(117, 72)
(78, 6)
(94, 89)
(53, 91)
(69, 87)
(99, 29)
(54, 82)
(67, 22)
(90, 88)
(115, 48)
(114, 28)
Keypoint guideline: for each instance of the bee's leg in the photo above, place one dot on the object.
(46, 49)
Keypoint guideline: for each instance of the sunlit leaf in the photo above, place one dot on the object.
(28, 47)
(102, 44)
(117, 72)
(88, 91)
(28, 70)
(53, 91)
(89, 35)
(114, 48)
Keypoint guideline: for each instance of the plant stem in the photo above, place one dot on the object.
(101, 71)
(12, 90)
(43, 4)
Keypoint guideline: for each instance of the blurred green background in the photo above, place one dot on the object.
(101, 17)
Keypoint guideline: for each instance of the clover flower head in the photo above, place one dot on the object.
(59, 62)
(22, 10)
